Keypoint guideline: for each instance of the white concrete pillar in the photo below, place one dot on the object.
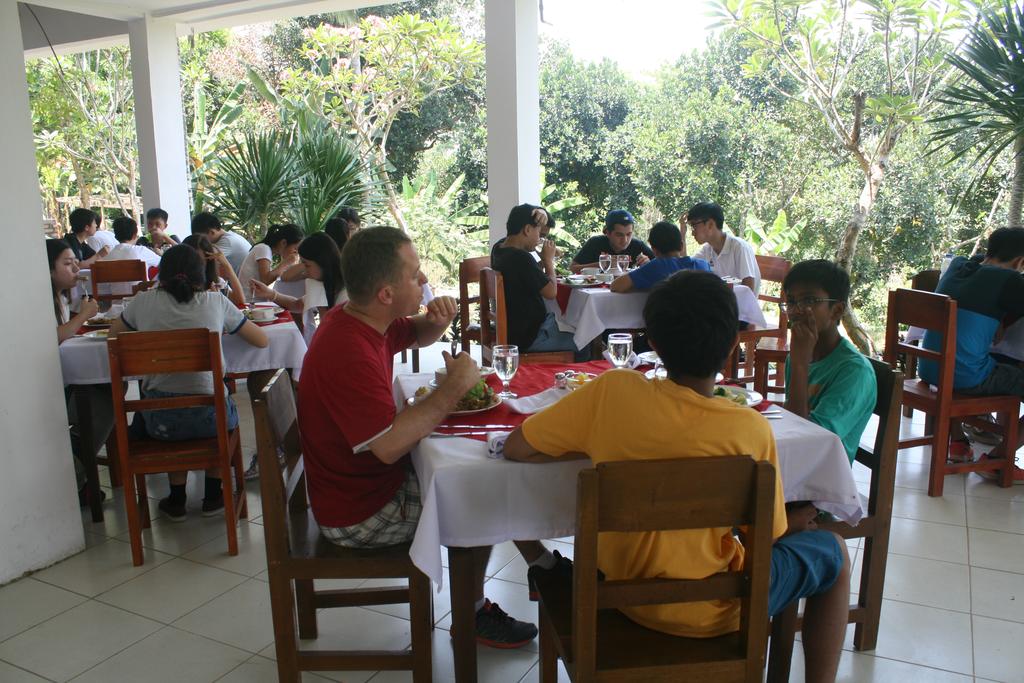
(160, 120)
(38, 501)
(513, 108)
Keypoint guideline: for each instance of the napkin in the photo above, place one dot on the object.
(496, 444)
(536, 402)
(632, 363)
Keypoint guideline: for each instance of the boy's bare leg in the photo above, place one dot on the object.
(825, 619)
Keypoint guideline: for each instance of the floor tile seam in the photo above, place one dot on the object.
(168, 623)
(54, 616)
(223, 569)
(131, 644)
(928, 521)
(870, 653)
(923, 489)
(28, 671)
(92, 597)
(183, 629)
(1003, 620)
(1002, 531)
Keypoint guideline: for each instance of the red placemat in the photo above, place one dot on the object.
(529, 380)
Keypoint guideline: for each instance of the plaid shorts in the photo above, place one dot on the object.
(393, 524)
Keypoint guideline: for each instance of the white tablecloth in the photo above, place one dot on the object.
(84, 361)
(472, 500)
(591, 311)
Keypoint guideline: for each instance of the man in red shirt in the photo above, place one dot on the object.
(362, 486)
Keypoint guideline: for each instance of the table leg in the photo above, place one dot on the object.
(461, 563)
(86, 451)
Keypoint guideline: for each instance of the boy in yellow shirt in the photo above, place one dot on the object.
(692, 322)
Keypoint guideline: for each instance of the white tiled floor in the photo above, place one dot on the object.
(954, 599)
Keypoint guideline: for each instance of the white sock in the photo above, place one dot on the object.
(479, 604)
(545, 561)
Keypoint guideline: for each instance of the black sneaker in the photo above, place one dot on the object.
(213, 507)
(494, 628)
(84, 498)
(562, 571)
(175, 513)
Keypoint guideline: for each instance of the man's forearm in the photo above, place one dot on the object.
(796, 390)
(577, 267)
(415, 423)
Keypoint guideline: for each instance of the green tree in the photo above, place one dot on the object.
(984, 113)
(362, 78)
(868, 84)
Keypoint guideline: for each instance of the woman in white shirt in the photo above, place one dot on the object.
(325, 285)
(281, 241)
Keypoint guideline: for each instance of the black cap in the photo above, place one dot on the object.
(618, 217)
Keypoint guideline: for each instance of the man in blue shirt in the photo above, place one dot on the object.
(667, 243)
(988, 292)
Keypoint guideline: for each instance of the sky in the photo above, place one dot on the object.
(638, 34)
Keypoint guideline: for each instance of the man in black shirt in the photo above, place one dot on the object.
(545, 230)
(83, 226)
(530, 326)
(156, 225)
(617, 240)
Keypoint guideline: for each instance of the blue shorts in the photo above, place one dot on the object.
(803, 565)
(182, 424)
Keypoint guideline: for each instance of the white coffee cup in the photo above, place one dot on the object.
(261, 314)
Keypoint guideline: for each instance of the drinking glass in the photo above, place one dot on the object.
(604, 262)
(505, 359)
(623, 261)
(620, 348)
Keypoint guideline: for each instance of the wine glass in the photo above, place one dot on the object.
(505, 359)
(604, 262)
(623, 261)
(620, 348)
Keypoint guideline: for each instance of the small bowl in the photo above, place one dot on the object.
(261, 314)
(605, 278)
(590, 271)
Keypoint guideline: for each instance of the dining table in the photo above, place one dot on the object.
(470, 499)
(588, 311)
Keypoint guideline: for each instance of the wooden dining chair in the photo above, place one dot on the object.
(924, 281)
(469, 274)
(941, 405)
(137, 354)
(773, 270)
(580, 622)
(873, 528)
(144, 286)
(297, 554)
(494, 323)
(115, 272)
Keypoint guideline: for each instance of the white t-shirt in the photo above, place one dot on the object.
(313, 300)
(102, 238)
(250, 269)
(235, 248)
(736, 260)
(157, 309)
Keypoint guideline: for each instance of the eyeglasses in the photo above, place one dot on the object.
(694, 224)
(806, 302)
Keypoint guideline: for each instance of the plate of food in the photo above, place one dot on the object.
(739, 395)
(441, 373)
(477, 400)
(97, 335)
(581, 281)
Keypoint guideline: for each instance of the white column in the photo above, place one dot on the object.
(160, 120)
(38, 501)
(513, 109)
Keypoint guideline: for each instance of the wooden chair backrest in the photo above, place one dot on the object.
(469, 273)
(137, 354)
(773, 268)
(881, 459)
(926, 281)
(661, 495)
(929, 311)
(143, 286)
(282, 493)
(120, 270)
(492, 308)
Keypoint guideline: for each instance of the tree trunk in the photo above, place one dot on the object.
(1017, 189)
(393, 208)
(848, 249)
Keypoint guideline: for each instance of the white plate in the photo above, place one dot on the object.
(752, 397)
(648, 357)
(497, 402)
(97, 335)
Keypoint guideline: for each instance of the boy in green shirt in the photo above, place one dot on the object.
(828, 381)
